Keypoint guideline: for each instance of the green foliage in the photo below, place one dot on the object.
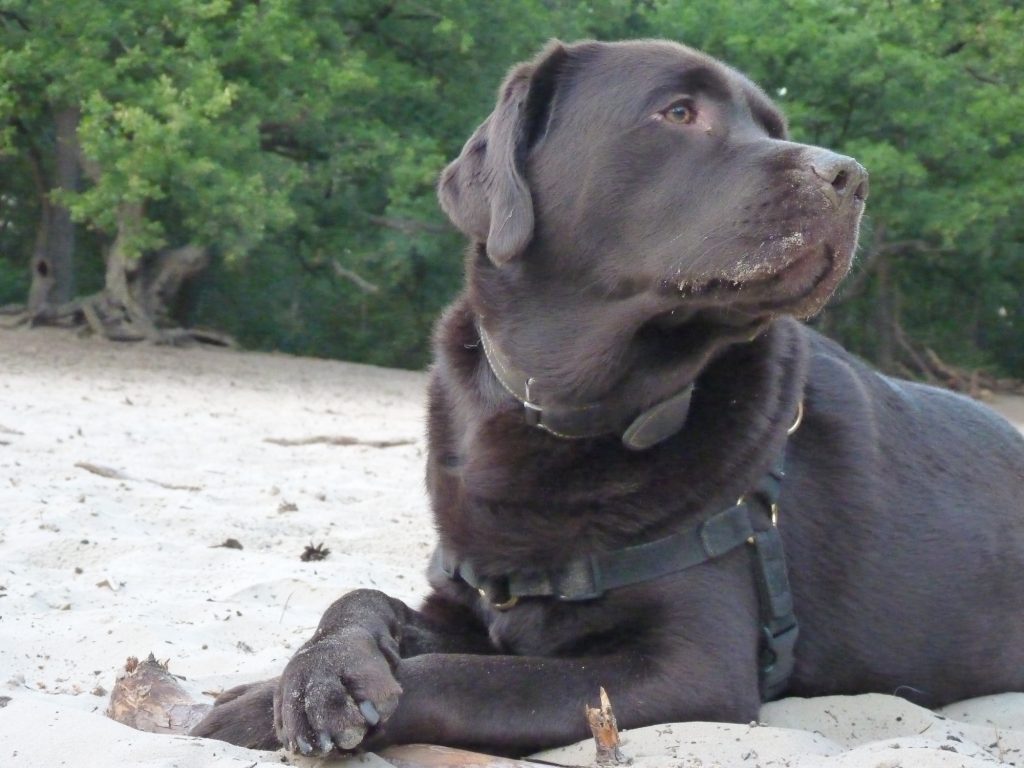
(300, 141)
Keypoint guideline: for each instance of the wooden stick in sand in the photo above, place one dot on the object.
(606, 732)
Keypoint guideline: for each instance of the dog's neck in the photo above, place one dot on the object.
(583, 368)
(611, 416)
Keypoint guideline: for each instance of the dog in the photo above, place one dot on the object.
(647, 474)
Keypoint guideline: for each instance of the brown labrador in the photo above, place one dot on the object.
(623, 365)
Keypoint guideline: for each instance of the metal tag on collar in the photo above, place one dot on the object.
(532, 411)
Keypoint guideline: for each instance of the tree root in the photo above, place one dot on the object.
(105, 316)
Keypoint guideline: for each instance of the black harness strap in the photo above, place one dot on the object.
(589, 577)
(778, 623)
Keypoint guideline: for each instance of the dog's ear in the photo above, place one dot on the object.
(483, 190)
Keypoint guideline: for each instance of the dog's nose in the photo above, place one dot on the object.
(843, 177)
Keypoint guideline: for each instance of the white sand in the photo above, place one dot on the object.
(94, 569)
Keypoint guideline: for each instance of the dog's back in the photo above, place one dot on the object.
(911, 571)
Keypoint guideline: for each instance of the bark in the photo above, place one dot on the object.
(160, 277)
(52, 257)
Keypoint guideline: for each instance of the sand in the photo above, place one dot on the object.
(123, 468)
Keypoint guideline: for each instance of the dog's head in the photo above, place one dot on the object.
(649, 169)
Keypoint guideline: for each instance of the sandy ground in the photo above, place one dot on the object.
(121, 470)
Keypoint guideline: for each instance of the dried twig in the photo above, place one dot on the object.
(336, 440)
(116, 474)
(436, 756)
(361, 282)
(409, 226)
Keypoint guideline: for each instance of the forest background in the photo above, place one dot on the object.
(266, 168)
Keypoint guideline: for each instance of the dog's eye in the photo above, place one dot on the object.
(683, 112)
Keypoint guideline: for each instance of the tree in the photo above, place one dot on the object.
(283, 154)
(171, 103)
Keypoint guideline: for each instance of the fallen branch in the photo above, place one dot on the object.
(408, 226)
(116, 474)
(107, 472)
(924, 363)
(361, 282)
(336, 440)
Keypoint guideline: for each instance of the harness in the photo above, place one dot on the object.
(752, 521)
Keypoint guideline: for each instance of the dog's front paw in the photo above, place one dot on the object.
(334, 691)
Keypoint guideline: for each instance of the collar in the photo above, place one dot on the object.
(638, 431)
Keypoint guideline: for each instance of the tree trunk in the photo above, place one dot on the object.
(139, 294)
(136, 322)
(137, 300)
(52, 257)
(44, 280)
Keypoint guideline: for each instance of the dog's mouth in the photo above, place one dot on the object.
(806, 276)
(800, 288)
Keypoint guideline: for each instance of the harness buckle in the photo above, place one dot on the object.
(777, 659)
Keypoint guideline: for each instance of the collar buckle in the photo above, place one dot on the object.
(532, 412)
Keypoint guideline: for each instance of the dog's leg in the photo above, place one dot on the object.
(353, 652)
(377, 673)
(516, 705)
(243, 715)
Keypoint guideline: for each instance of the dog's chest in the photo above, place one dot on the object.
(523, 630)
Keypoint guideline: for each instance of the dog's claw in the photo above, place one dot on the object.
(304, 746)
(326, 743)
(370, 713)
